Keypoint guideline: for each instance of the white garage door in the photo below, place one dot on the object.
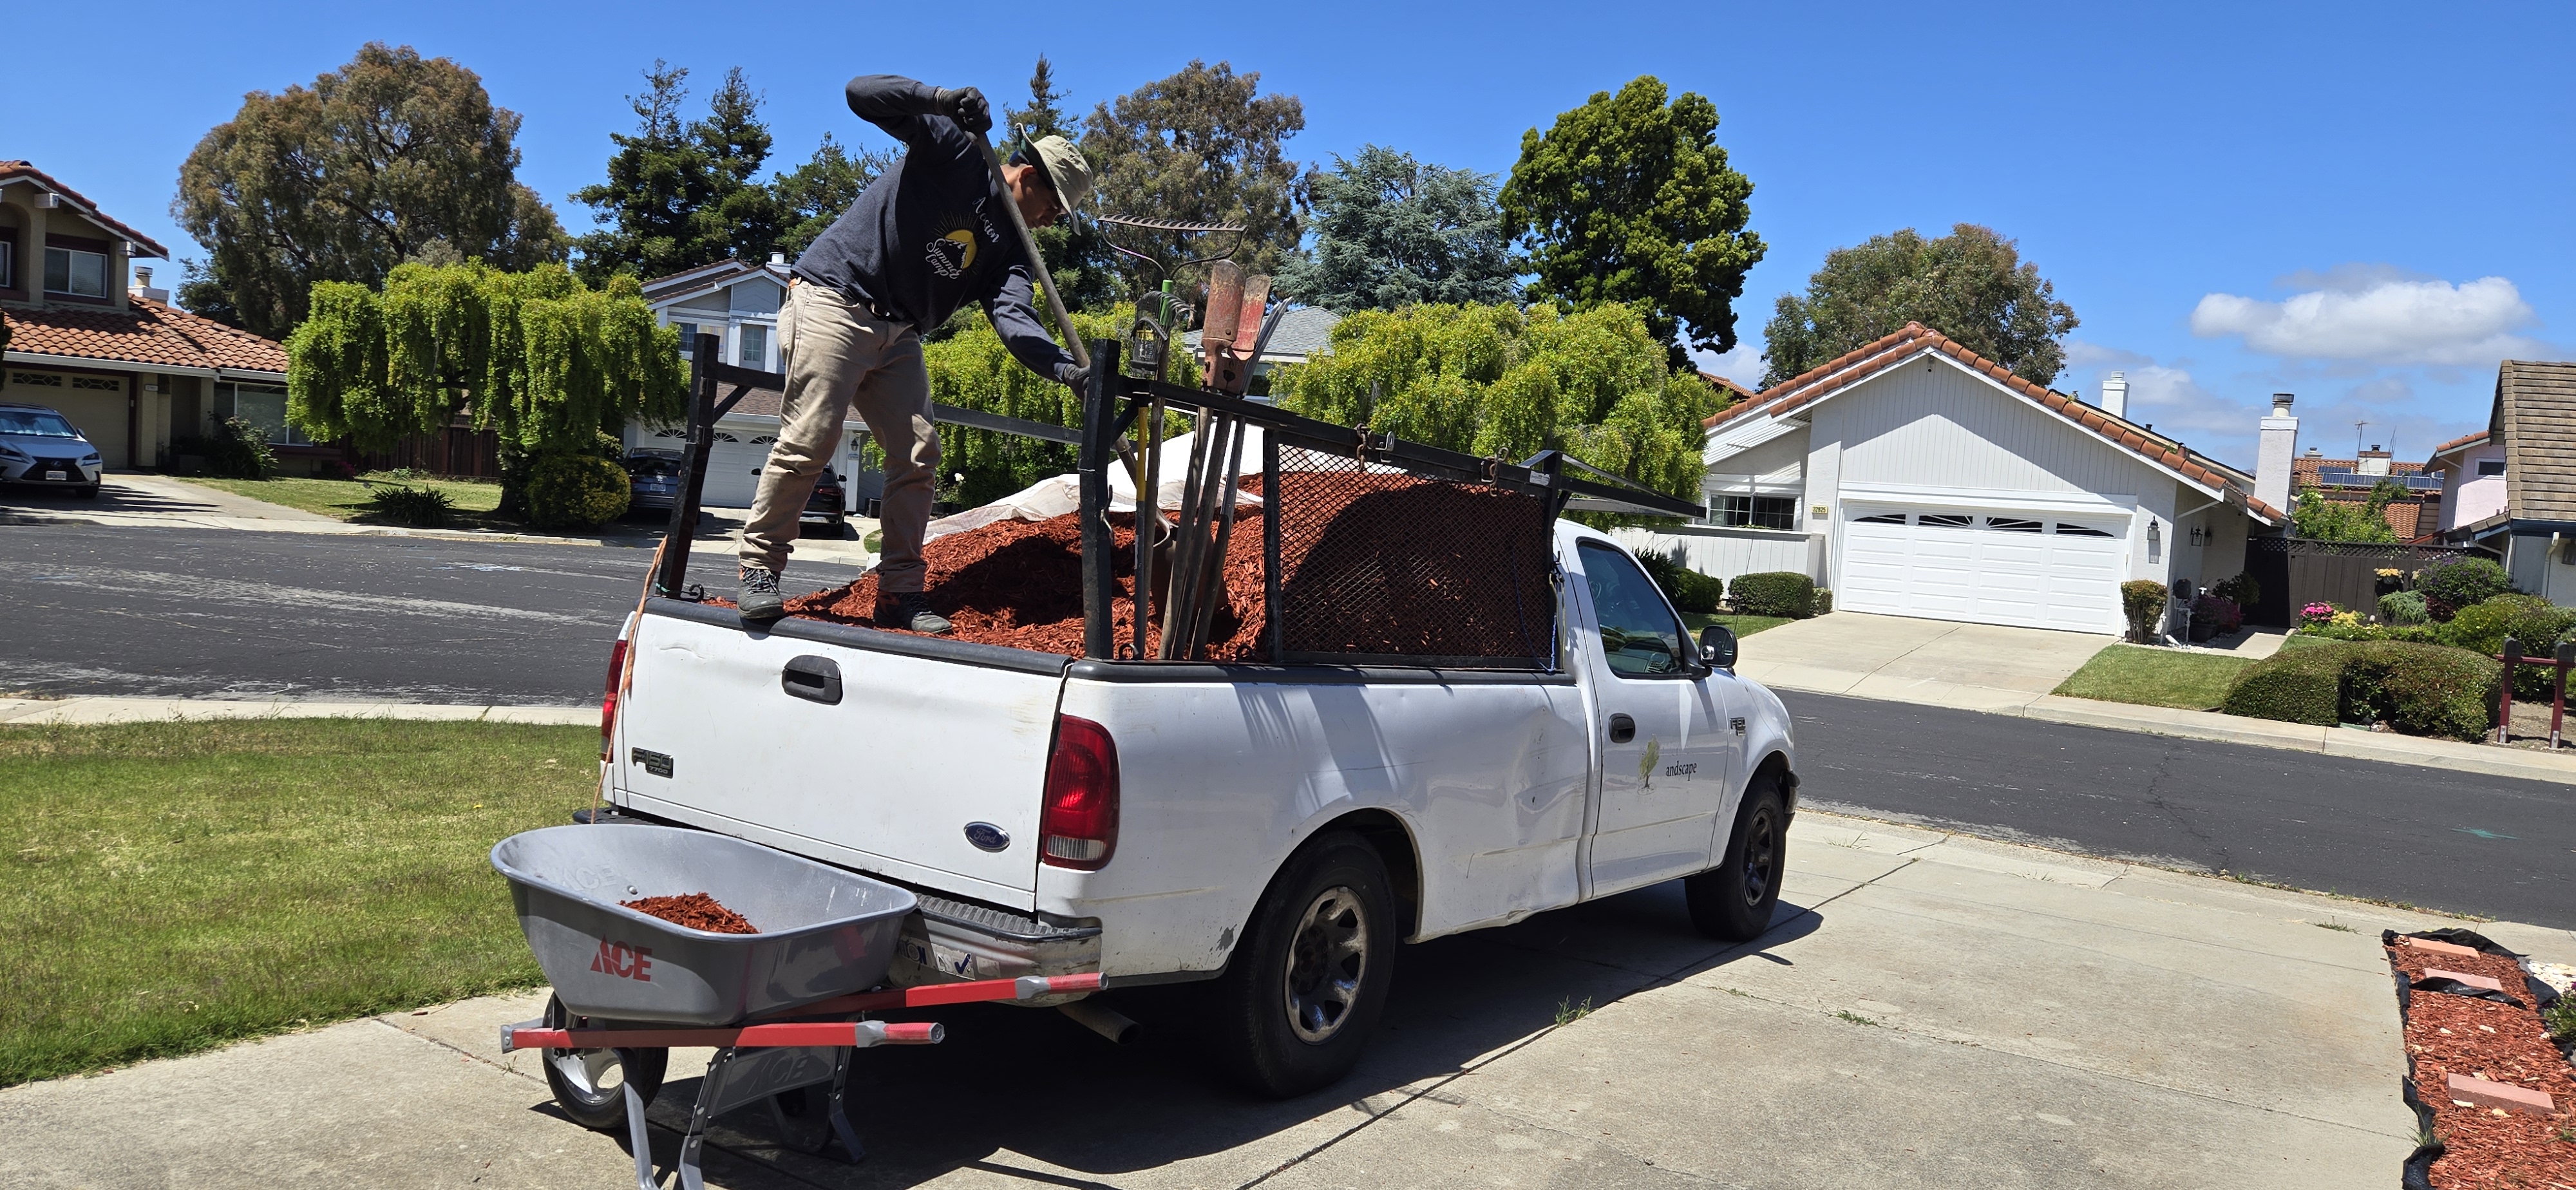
(2035, 570)
(734, 461)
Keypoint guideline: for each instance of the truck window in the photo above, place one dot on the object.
(1638, 632)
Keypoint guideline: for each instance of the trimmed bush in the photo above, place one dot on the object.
(425, 508)
(1689, 590)
(575, 491)
(2404, 607)
(2292, 686)
(2428, 690)
(236, 450)
(1824, 601)
(2461, 582)
(2242, 588)
(1774, 593)
(2530, 619)
(2143, 601)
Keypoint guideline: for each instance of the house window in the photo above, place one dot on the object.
(1945, 520)
(688, 338)
(106, 384)
(36, 379)
(2010, 525)
(263, 406)
(2067, 530)
(72, 271)
(2490, 468)
(1883, 518)
(754, 352)
(8, 259)
(1753, 512)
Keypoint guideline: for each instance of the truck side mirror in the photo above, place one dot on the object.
(1717, 646)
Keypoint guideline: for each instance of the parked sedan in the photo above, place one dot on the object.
(654, 477)
(40, 446)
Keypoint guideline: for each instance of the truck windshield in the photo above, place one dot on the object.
(1639, 635)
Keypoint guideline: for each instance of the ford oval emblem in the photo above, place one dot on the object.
(988, 837)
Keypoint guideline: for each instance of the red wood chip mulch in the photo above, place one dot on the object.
(2447, 1034)
(696, 910)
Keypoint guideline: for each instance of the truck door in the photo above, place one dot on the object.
(1667, 751)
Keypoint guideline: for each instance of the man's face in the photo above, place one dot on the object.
(1039, 206)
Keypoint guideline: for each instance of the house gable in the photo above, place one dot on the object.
(1933, 423)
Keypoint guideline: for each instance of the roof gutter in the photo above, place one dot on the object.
(43, 359)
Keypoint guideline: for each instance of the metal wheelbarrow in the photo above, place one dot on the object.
(781, 1006)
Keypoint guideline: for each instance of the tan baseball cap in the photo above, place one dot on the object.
(1063, 167)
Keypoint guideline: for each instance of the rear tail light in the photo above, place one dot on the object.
(1078, 828)
(608, 701)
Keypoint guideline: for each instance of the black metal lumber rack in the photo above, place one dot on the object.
(1510, 506)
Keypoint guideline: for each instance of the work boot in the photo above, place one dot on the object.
(911, 609)
(756, 594)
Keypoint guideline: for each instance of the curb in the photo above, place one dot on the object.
(85, 712)
(345, 529)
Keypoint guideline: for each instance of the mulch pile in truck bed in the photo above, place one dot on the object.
(1377, 563)
(697, 911)
(2447, 1034)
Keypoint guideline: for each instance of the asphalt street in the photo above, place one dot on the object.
(2461, 842)
(229, 614)
(212, 613)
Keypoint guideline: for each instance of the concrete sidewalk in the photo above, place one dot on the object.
(1927, 1011)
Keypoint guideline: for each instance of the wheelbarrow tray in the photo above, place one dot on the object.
(824, 932)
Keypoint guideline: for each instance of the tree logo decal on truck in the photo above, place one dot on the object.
(1646, 763)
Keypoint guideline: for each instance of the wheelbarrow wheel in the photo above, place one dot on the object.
(589, 1085)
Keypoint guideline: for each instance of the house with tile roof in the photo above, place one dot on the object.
(2411, 515)
(131, 370)
(2471, 467)
(1916, 478)
(2530, 446)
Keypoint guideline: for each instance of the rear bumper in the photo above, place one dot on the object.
(951, 941)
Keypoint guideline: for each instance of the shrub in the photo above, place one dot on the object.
(236, 450)
(2404, 607)
(1774, 593)
(2292, 686)
(2459, 582)
(2242, 588)
(2429, 690)
(1689, 590)
(426, 508)
(1824, 601)
(2535, 622)
(575, 491)
(2219, 612)
(2143, 601)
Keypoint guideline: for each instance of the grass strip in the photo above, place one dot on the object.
(1744, 626)
(346, 499)
(2155, 677)
(183, 885)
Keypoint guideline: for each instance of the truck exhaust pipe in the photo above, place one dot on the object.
(1100, 1018)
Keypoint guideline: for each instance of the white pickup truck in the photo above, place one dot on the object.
(1273, 830)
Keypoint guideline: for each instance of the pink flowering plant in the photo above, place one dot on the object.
(2317, 613)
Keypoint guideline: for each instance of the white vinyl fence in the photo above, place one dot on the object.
(1726, 553)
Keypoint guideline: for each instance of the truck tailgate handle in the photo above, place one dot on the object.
(1622, 729)
(812, 678)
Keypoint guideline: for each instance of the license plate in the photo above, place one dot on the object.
(57, 475)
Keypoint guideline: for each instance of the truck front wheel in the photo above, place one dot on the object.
(1732, 902)
(1306, 986)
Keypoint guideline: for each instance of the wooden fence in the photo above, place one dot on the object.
(2295, 572)
(460, 451)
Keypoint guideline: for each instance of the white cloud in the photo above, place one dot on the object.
(2372, 314)
(2083, 353)
(1742, 365)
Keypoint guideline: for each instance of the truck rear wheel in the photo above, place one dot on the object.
(1305, 988)
(1732, 902)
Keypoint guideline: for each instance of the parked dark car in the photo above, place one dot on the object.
(654, 476)
(40, 446)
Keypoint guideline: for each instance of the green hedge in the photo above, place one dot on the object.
(1774, 593)
(1689, 590)
(576, 491)
(2143, 602)
(2419, 689)
(2461, 581)
(2537, 623)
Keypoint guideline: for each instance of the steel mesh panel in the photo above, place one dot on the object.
(1378, 564)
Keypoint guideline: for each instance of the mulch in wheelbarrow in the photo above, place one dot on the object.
(2449, 1034)
(697, 911)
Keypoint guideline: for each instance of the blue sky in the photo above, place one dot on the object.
(2365, 204)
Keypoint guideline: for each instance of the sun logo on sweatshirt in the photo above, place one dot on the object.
(952, 254)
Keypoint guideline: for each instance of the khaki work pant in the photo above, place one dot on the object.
(837, 354)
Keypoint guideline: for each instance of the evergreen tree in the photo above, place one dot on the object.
(1391, 232)
(1203, 145)
(821, 190)
(1086, 270)
(679, 196)
(1971, 285)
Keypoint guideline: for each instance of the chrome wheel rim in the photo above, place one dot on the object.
(1761, 847)
(596, 1076)
(1327, 960)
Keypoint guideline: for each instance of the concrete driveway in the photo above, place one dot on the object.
(1927, 1011)
(1979, 667)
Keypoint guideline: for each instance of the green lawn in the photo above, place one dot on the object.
(1744, 626)
(182, 885)
(2156, 677)
(346, 499)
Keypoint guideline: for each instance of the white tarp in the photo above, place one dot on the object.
(1057, 495)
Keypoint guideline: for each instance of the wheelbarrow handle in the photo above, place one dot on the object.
(932, 995)
(853, 1034)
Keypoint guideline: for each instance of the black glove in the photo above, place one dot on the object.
(966, 106)
(1072, 375)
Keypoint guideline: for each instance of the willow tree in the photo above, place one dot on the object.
(1497, 380)
(543, 361)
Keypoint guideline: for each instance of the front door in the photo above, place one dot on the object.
(1668, 748)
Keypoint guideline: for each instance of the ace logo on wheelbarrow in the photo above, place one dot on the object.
(627, 962)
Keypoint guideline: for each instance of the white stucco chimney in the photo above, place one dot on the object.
(2115, 394)
(2279, 448)
(2373, 461)
(143, 287)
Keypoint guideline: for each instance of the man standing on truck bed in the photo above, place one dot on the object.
(925, 238)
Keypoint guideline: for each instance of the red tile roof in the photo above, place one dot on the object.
(2303, 469)
(1870, 359)
(2476, 439)
(1728, 388)
(13, 170)
(150, 333)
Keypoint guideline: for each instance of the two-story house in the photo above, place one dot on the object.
(738, 304)
(127, 367)
(2514, 487)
